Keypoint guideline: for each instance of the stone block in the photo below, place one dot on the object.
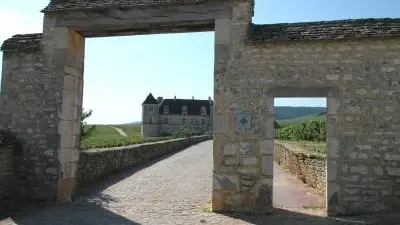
(51, 171)
(333, 147)
(267, 165)
(222, 31)
(67, 141)
(270, 127)
(68, 170)
(72, 71)
(225, 182)
(359, 169)
(68, 155)
(250, 161)
(68, 98)
(221, 124)
(69, 82)
(332, 168)
(61, 37)
(248, 171)
(333, 105)
(230, 149)
(66, 127)
(267, 147)
(393, 171)
(231, 161)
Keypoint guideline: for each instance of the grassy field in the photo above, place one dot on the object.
(310, 146)
(106, 136)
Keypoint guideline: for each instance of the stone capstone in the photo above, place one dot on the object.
(23, 43)
(324, 30)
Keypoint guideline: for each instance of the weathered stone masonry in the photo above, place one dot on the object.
(309, 167)
(354, 63)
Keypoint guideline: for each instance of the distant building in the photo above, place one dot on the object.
(166, 116)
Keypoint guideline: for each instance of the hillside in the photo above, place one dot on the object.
(286, 122)
(288, 112)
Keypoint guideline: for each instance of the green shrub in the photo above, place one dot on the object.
(312, 130)
(86, 131)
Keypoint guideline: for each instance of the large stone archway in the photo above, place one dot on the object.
(354, 63)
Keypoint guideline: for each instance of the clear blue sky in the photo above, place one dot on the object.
(121, 71)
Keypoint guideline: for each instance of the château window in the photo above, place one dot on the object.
(191, 121)
(184, 110)
(203, 121)
(166, 109)
(165, 120)
(150, 120)
(203, 111)
(183, 120)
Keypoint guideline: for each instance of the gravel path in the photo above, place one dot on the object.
(174, 190)
(120, 131)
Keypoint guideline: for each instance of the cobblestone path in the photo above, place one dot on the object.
(175, 190)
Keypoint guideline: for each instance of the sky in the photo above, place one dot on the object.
(121, 71)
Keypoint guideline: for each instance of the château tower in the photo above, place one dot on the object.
(150, 117)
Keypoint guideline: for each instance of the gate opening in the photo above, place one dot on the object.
(300, 154)
(147, 87)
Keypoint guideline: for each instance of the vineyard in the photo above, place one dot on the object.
(308, 133)
(104, 136)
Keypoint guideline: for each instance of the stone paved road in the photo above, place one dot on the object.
(175, 190)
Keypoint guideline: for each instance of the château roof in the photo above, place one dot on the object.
(193, 106)
(150, 100)
(325, 30)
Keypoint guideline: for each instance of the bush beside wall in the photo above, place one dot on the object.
(95, 164)
(306, 166)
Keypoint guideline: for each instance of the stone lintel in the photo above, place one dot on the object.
(131, 21)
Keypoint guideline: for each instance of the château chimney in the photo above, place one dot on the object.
(193, 97)
(159, 99)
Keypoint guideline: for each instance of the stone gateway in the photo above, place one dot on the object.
(355, 64)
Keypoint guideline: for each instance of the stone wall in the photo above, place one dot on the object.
(6, 169)
(308, 167)
(10, 164)
(30, 112)
(95, 164)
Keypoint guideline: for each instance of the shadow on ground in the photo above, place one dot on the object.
(80, 212)
(91, 197)
(289, 217)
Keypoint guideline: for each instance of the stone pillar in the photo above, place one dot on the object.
(242, 175)
(223, 180)
(333, 202)
(64, 51)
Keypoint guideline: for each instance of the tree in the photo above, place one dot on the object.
(86, 130)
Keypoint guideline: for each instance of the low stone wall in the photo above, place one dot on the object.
(95, 164)
(308, 167)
